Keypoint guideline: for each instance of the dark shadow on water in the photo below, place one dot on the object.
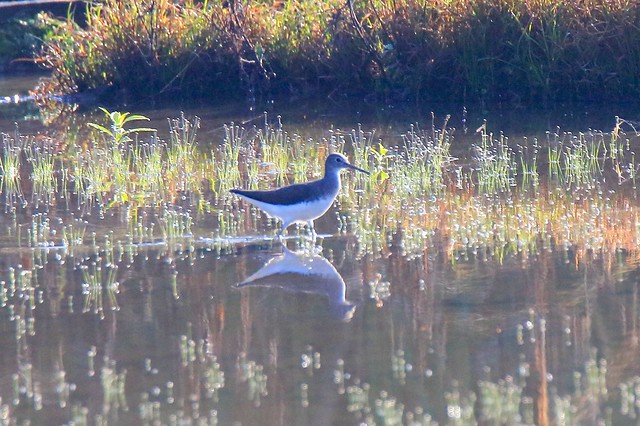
(316, 116)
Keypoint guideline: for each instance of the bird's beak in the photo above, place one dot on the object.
(351, 166)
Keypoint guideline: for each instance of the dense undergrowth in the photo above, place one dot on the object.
(392, 50)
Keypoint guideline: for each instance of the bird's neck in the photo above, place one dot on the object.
(332, 179)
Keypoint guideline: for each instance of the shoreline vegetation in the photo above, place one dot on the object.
(505, 51)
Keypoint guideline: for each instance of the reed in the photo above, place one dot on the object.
(495, 50)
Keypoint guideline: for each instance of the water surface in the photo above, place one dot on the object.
(518, 308)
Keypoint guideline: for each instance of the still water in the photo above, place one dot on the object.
(104, 322)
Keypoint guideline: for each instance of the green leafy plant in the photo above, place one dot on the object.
(381, 160)
(116, 131)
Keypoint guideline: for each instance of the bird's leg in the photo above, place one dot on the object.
(282, 230)
(313, 229)
(317, 245)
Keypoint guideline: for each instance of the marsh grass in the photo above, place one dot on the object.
(427, 160)
(581, 161)
(150, 171)
(43, 166)
(39, 233)
(508, 198)
(182, 158)
(403, 49)
(528, 154)
(73, 234)
(193, 355)
(10, 163)
(225, 162)
(496, 163)
(175, 224)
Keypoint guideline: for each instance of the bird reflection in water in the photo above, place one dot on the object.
(304, 272)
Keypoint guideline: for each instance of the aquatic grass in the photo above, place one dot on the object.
(116, 154)
(581, 160)
(406, 200)
(39, 233)
(195, 357)
(226, 161)
(415, 237)
(10, 163)
(113, 388)
(253, 173)
(528, 155)
(498, 225)
(425, 160)
(119, 169)
(501, 401)
(618, 151)
(92, 175)
(119, 163)
(254, 375)
(139, 233)
(554, 157)
(389, 410)
(380, 163)
(149, 167)
(73, 234)
(299, 168)
(460, 406)
(175, 224)
(274, 145)
(419, 192)
(43, 166)
(183, 174)
(361, 143)
(438, 150)
(588, 157)
(495, 163)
